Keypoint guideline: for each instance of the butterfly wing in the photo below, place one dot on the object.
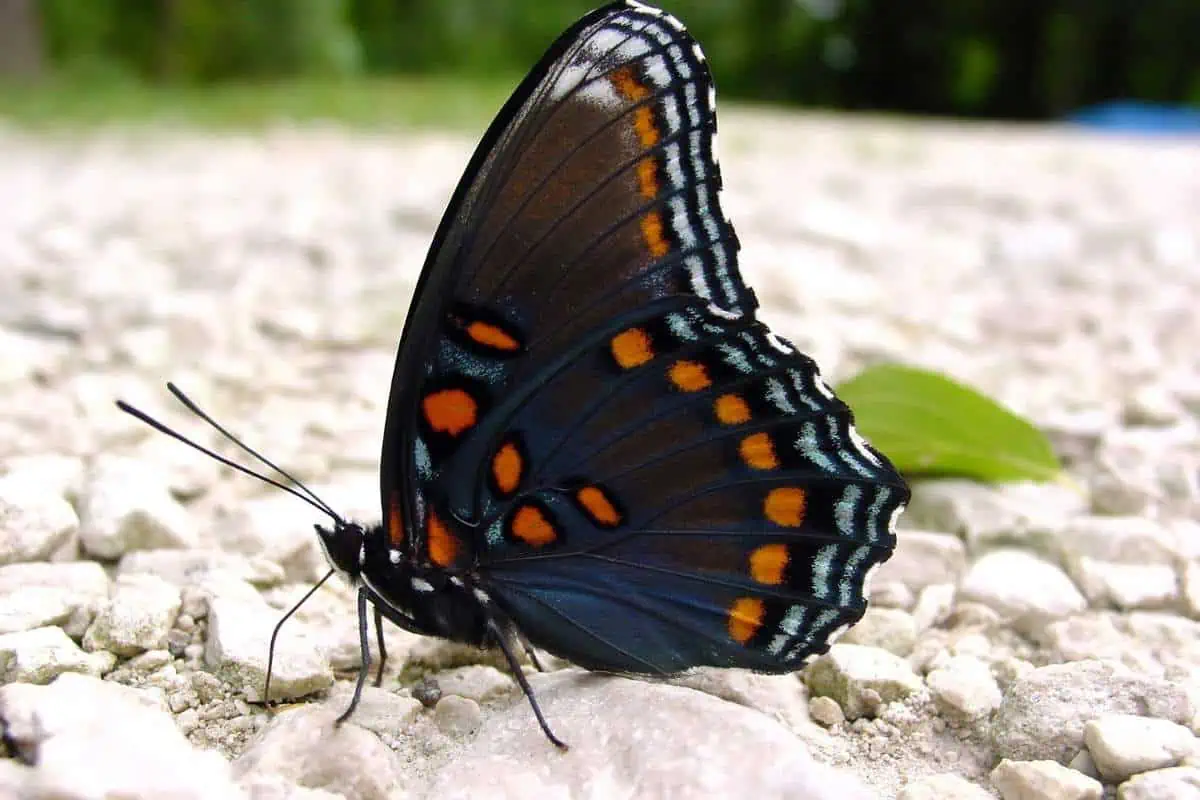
(585, 411)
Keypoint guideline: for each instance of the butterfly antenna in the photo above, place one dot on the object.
(307, 496)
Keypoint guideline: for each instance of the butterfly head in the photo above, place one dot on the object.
(344, 547)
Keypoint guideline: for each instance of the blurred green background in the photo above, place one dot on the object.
(440, 60)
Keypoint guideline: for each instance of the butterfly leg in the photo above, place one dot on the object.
(382, 646)
(529, 651)
(364, 643)
(506, 647)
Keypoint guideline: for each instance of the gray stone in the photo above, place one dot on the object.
(1018, 585)
(1121, 540)
(1126, 586)
(1030, 515)
(826, 711)
(35, 521)
(39, 593)
(934, 605)
(128, 506)
(779, 696)
(457, 716)
(239, 634)
(1042, 715)
(137, 618)
(382, 712)
(183, 567)
(91, 738)
(861, 678)
(923, 558)
(692, 745)
(303, 746)
(1177, 783)
(478, 682)
(1122, 745)
(1043, 780)
(888, 628)
(942, 787)
(964, 689)
(42, 654)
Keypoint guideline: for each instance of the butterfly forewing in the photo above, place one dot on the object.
(586, 417)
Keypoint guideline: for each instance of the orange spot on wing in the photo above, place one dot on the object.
(450, 411)
(440, 542)
(786, 506)
(689, 376)
(732, 410)
(530, 525)
(395, 521)
(597, 505)
(507, 466)
(647, 174)
(758, 451)
(767, 563)
(652, 233)
(627, 83)
(493, 337)
(646, 126)
(632, 348)
(745, 618)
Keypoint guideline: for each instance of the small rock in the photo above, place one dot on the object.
(379, 711)
(1191, 589)
(692, 745)
(303, 746)
(457, 716)
(1176, 783)
(888, 628)
(90, 738)
(81, 585)
(183, 567)
(934, 605)
(427, 692)
(860, 678)
(239, 634)
(1122, 540)
(1123, 745)
(1042, 591)
(780, 696)
(35, 521)
(1126, 586)
(890, 594)
(128, 506)
(826, 711)
(138, 618)
(59, 474)
(942, 787)
(1042, 715)
(41, 655)
(964, 688)
(1081, 763)
(1031, 515)
(36, 607)
(477, 682)
(1043, 780)
(922, 558)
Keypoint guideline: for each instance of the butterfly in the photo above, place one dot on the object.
(592, 445)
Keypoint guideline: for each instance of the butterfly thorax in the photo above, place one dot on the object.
(422, 598)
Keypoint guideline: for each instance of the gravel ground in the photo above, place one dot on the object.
(1025, 642)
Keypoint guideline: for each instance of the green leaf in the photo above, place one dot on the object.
(928, 424)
